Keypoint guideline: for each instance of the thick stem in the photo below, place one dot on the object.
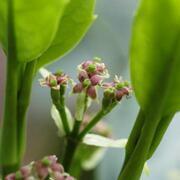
(72, 140)
(23, 104)
(96, 119)
(71, 147)
(58, 101)
(133, 168)
(9, 129)
(134, 136)
(92, 123)
(160, 131)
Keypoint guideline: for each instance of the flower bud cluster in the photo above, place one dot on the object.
(43, 169)
(91, 74)
(55, 80)
(117, 89)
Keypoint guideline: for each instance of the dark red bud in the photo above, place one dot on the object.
(11, 177)
(119, 95)
(95, 80)
(25, 171)
(82, 76)
(78, 88)
(125, 91)
(86, 64)
(91, 91)
(57, 167)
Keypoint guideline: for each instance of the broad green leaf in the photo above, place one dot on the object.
(35, 25)
(75, 22)
(155, 54)
(58, 122)
(101, 141)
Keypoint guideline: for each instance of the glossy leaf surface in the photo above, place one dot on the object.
(155, 54)
(75, 22)
(35, 25)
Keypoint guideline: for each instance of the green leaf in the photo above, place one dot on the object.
(155, 55)
(101, 141)
(35, 25)
(75, 22)
(58, 122)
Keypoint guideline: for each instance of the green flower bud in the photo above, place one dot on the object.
(126, 83)
(91, 68)
(120, 85)
(18, 175)
(109, 93)
(86, 83)
(45, 161)
(53, 82)
(58, 73)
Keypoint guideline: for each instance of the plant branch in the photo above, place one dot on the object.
(9, 133)
(23, 104)
(160, 131)
(96, 119)
(59, 102)
(134, 136)
(133, 168)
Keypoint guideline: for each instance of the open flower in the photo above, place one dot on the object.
(91, 74)
(55, 80)
(117, 89)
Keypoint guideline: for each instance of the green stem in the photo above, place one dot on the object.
(72, 140)
(160, 131)
(133, 168)
(9, 128)
(72, 144)
(96, 119)
(92, 123)
(134, 136)
(9, 133)
(23, 104)
(58, 101)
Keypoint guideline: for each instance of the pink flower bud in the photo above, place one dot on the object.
(82, 76)
(69, 178)
(78, 88)
(42, 170)
(119, 95)
(91, 91)
(58, 176)
(95, 80)
(25, 171)
(11, 177)
(62, 79)
(86, 64)
(57, 167)
(53, 159)
(126, 91)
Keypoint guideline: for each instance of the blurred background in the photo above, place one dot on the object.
(108, 39)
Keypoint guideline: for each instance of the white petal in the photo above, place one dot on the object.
(100, 141)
